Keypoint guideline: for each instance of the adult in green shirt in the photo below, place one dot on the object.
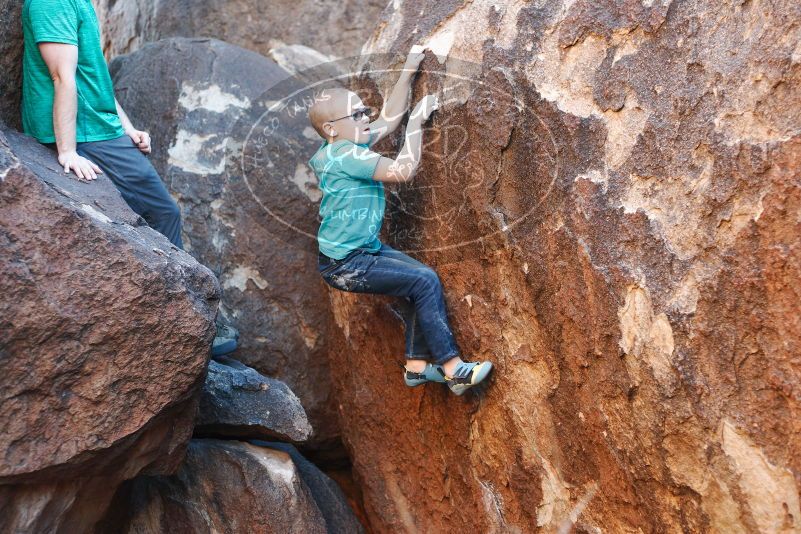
(68, 103)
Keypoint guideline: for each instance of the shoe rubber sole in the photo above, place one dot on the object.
(226, 347)
(480, 372)
(414, 383)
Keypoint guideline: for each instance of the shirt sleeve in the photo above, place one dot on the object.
(358, 161)
(54, 21)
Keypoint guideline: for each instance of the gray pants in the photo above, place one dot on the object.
(138, 182)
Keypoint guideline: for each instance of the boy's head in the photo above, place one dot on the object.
(340, 114)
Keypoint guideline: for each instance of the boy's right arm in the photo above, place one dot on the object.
(403, 168)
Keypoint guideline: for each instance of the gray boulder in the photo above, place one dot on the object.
(225, 487)
(248, 200)
(239, 402)
(252, 24)
(338, 515)
(105, 331)
(10, 62)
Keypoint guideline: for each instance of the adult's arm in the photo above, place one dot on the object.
(141, 139)
(62, 60)
(398, 102)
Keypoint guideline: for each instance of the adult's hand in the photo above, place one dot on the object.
(141, 140)
(83, 168)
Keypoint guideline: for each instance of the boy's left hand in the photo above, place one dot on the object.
(425, 107)
(414, 59)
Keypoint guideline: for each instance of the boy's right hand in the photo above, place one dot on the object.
(425, 107)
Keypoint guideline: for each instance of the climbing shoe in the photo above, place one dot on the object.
(222, 345)
(223, 330)
(432, 373)
(467, 375)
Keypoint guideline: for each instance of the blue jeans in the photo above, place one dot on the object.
(391, 272)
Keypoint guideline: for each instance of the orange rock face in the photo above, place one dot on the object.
(610, 196)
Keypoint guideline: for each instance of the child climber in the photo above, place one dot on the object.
(351, 256)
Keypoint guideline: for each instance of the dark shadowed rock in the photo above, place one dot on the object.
(248, 200)
(222, 486)
(10, 62)
(239, 402)
(333, 27)
(338, 515)
(104, 338)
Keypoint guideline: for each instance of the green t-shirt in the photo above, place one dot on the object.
(72, 22)
(352, 207)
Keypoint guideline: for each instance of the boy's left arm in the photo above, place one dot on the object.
(397, 104)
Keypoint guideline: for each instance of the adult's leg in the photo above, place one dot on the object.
(382, 274)
(138, 182)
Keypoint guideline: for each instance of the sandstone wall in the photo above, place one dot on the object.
(610, 195)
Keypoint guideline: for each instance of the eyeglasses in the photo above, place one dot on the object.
(357, 115)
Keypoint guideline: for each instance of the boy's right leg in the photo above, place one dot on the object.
(364, 272)
(416, 346)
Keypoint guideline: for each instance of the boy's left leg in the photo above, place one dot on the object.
(416, 346)
(418, 369)
(417, 352)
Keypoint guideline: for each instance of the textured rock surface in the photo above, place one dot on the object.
(104, 337)
(222, 486)
(239, 402)
(249, 206)
(338, 515)
(611, 199)
(10, 62)
(332, 27)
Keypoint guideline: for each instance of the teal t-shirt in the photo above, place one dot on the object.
(72, 22)
(352, 207)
